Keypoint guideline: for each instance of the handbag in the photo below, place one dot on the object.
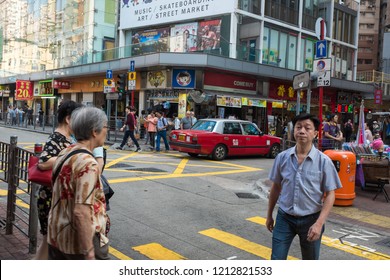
(36, 175)
(108, 191)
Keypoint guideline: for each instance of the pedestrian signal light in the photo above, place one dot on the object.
(121, 84)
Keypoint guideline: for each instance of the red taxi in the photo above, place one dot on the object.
(220, 138)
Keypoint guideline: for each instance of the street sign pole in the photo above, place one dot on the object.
(298, 107)
(132, 69)
(321, 93)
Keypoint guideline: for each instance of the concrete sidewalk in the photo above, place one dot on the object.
(13, 246)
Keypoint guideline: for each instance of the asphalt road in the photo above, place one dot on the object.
(171, 206)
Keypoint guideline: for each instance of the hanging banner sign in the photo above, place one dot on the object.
(24, 90)
(378, 96)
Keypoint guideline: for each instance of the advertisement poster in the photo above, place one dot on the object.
(183, 78)
(157, 79)
(209, 34)
(182, 105)
(154, 40)
(137, 13)
(253, 102)
(24, 90)
(228, 101)
(184, 37)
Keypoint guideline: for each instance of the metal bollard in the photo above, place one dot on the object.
(33, 215)
(11, 198)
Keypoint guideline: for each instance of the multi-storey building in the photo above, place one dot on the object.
(216, 57)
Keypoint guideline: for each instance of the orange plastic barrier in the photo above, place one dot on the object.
(345, 163)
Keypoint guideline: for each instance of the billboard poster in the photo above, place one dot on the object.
(24, 90)
(137, 13)
(147, 41)
(229, 101)
(183, 78)
(182, 105)
(184, 37)
(209, 34)
(157, 79)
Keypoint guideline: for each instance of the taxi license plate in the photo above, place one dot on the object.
(182, 137)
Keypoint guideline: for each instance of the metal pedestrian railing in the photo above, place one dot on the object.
(22, 211)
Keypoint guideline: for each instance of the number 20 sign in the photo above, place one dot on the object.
(24, 90)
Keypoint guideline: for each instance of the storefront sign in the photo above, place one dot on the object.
(157, 79)
(229, 83)
(253, 102)
(4, 91)
(152, 12)
(45, 88)
(229, 101)
(61, 84)
(24, 90)
(183, 78)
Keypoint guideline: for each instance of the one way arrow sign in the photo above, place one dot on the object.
(321, 49)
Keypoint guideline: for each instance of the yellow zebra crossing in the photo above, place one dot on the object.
(335, 243)
(155, 251)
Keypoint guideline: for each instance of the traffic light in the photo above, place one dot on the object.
(121, 84)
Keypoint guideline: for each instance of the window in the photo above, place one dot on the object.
(232, 128)
(250, 129)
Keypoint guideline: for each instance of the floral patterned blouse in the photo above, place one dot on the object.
(78, 182)
(54, 145)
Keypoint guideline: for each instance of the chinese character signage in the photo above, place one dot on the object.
(61, 84)
(378, 96)
(24, 90)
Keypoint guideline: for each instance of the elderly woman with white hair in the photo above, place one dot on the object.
(78, 219)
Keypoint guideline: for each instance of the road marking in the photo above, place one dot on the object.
(168, 176)
(5, 192)
(155, 251)
(118, 254)
(115, 161)
(335, 243)
(181, 166)
(363, 216)
(240, 243)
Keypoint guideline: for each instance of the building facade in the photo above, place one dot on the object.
(236, 58)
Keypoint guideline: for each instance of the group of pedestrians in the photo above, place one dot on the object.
(18, 116)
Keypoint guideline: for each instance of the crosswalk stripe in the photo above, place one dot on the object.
(241, 243)
(5, 192)
(363, 216)
(155, 251)
(335, 243)
(117, 254)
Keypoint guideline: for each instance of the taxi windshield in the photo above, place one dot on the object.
(204, 125)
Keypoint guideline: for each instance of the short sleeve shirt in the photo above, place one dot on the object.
(304, 185)
(77, 183)
(186, 123)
